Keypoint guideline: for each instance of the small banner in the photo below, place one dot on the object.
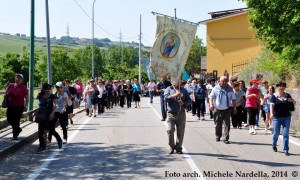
(146, 63)
(185, 75)
(171, 47)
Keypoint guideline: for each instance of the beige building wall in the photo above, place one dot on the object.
(230, 40)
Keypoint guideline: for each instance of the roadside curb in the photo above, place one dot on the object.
(16, 145)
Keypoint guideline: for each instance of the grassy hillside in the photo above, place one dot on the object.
(15, 44)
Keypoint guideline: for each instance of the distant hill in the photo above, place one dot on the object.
(15, 43)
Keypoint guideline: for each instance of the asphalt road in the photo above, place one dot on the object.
(132, 144)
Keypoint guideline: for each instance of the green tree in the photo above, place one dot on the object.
(63, 67)
(83, 57)
(277, 22)
(193, 65)
(11, 64)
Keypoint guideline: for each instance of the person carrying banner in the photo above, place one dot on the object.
(161, 87)
(177, 99)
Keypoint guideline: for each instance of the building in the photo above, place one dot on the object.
(230, 41)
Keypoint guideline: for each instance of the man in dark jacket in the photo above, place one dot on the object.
(178, 100)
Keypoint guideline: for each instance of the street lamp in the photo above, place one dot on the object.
(93, 66)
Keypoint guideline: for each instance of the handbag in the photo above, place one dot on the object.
(41, 115)
(75, 103)
(291, 106)
(94, 99)
(4, 102)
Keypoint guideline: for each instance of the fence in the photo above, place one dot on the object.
(237, 67)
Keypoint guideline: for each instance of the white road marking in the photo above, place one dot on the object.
(291, 141)
(52, 156)
(186, 155)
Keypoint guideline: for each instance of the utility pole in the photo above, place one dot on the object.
(93, 66)
(31, 62)
(49, 65)
(175, 13)
(140, 50)
(120, 60)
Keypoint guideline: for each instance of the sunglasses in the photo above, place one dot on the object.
(57, 87)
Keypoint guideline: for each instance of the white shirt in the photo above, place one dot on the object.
(221, 104)
(101, 89)
(151, 86)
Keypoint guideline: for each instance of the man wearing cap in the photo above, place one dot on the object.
(177, 99)
(161, 87)
(17, 100)
(221, 99)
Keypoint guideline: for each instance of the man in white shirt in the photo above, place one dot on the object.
(151, 86)
(221, 99)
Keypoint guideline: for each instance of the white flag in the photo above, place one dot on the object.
(171, 47)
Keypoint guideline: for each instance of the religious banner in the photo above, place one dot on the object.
(171, 47)
(146, 63)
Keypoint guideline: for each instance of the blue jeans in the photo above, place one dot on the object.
(285, 122)
(151, 93)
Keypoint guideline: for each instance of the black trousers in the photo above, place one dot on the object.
(194, 107)
(42, 127)
(14, 115)
(122, 101)
(236, 118)
(101, 106)
(129, 100)
(252, 115)
(51, 128)
(200, 104)
(63, 121)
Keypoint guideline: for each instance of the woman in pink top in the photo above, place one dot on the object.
(79, 88)
(252, 100)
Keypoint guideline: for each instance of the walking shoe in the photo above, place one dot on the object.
(171, 151)
(41, 149)
(217, 139)
(65, 141)
(163, 119)
(253, 132)
(250, 131)
(226, 142)
(179, 152)
(71, 121)
(255, 127)
(198, 118)
(203, 118)
(287, 153)
(274, 149)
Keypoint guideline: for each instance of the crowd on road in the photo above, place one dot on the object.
(228, 102)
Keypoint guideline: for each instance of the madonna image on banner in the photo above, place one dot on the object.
(169, 45)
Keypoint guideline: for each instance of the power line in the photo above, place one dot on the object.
(134, 37)
(94, 21)
(146, 41)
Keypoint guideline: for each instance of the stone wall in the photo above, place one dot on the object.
(295, 124)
